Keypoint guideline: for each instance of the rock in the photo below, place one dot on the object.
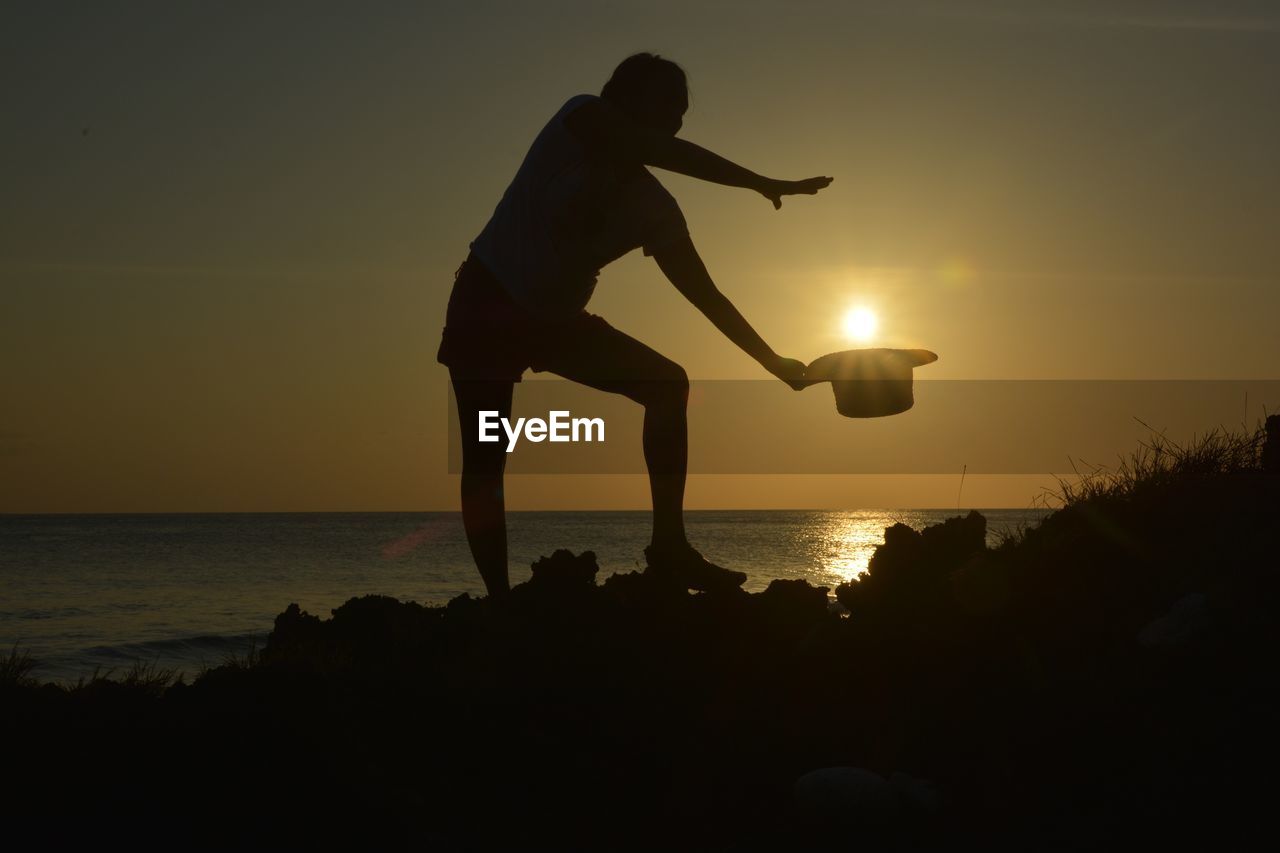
(563, 567)
(850, 795)
(910, 561)
(460, 605)
(795, 597)
(920, 794)
(956, 538)
(1187, 617)
(982, 584)
(859, 802)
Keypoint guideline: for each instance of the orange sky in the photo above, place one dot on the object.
(228, 233)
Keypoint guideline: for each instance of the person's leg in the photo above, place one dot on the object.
(483, 505)
(595, 354)
(666, 455)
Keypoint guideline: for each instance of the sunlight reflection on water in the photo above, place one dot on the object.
(825, 548)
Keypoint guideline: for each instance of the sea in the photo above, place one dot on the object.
(100, 594)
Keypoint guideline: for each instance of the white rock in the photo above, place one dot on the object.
(849, 794)
(1187, 617)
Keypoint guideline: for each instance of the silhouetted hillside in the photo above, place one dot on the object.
(1105, 676)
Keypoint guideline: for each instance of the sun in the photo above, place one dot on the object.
(860, 324)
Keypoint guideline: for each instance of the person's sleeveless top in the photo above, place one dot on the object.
(564, 217)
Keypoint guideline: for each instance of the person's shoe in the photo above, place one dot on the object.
(685, 565)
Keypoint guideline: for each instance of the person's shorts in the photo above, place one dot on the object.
(487, 336)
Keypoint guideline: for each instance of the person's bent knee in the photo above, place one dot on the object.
(678, 383)
(669, 388)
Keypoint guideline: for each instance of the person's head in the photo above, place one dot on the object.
(651, 90)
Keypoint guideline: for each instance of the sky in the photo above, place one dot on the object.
(228, 231)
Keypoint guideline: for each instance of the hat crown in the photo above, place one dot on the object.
(870, 383)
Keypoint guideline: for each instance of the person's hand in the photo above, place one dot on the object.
(789, 371)
(775, 190)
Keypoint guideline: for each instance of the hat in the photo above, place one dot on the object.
(870, 383)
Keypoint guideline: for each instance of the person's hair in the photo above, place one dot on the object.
(642, 76)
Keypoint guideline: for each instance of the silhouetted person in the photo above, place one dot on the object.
(581, 199)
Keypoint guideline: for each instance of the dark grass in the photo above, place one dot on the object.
(16, 668)
(1158, 462)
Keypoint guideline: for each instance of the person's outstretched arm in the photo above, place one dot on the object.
(681, 264)
(611, 133)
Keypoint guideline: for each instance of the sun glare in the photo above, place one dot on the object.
(860, 324)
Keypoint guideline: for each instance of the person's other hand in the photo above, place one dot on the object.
(775, 190)
(789, 371)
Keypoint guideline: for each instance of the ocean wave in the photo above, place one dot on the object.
(187, 648)
(45, 613)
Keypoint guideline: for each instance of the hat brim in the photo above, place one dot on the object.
(858, 364)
